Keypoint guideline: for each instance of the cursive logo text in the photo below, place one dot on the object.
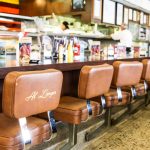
(44, 94)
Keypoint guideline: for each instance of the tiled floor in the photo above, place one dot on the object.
(132, 134)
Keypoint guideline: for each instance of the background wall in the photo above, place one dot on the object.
(59, 7)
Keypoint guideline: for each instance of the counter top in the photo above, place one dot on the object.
(11, 65)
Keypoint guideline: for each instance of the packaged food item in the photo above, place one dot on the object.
(136, 51)
(47, 45)
(95, 48)
(110, 51)
(35, 55)
(76, 51)
(24, 49)
(121, 51)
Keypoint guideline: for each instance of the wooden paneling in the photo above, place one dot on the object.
(31, 8)
(36, 8)
(44, 7)
(59, 7)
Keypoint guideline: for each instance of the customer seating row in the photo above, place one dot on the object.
(100, 88)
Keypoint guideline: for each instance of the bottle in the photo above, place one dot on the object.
(70, 51)
(110, 51)
(60, 50)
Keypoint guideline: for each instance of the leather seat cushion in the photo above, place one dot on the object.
(36, 92)
(126, 73)
(10, 133)
(74, 110)
(140, 89)
(112, 98)
(146, 69)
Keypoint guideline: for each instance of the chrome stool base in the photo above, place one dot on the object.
(73, 128)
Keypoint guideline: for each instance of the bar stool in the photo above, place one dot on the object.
(93, 81)
(127, 77)
(146, 77)
(26, 94)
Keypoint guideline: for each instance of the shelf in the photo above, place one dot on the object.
(143, 41)
(78, 35)
(16, 16)
(13, 33)
(8, 34)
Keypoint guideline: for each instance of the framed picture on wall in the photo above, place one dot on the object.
(78, 5)
(119, 18)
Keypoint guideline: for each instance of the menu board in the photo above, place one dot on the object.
(130, 14)
(134, 15)
(97, 9)
(138, 16)
(141, 18)
(119, 14)
(126, 15)
(144, 19)
(109, 11)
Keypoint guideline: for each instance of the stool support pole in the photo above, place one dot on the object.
(108, 117)
(96, 132)
(147, 98)
(26, 135)
(72, 137)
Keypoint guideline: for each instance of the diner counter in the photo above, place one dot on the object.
(70, 71)
(11, 65)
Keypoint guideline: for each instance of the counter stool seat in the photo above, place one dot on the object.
(126, 74)
(139, 88)
(74, 110)
(112, 99)
(94, 81)
(10, 134)
(26, 94)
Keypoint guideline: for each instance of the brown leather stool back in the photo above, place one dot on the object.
(30, 93)
(146, 70)
(94, 80)
(127, 73)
